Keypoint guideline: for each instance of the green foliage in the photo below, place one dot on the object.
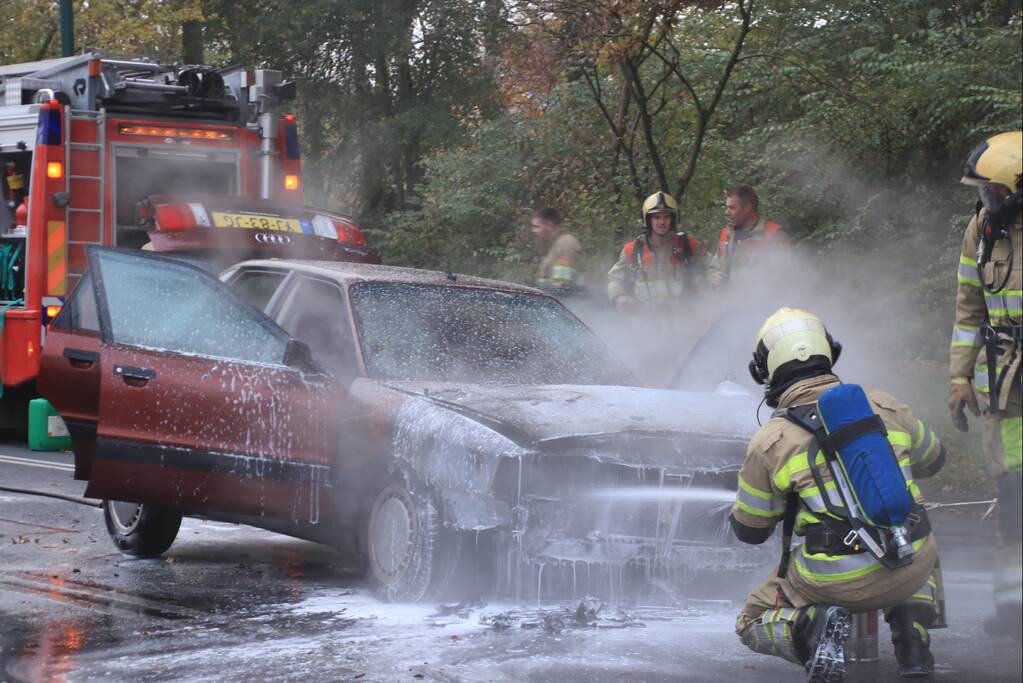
(852, 120)
(441, 123)
(471, 208)
(150, 27)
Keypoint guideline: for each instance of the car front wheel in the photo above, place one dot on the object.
(141, 530)
(409, 555)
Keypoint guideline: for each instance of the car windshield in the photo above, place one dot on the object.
(464, 334)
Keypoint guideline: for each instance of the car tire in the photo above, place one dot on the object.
(409, 555)
(141, 530)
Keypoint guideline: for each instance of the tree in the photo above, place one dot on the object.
(380, 84)
(638, 63)
(147, 27)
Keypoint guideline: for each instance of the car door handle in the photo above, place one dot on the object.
(81, 359)
(135, 377)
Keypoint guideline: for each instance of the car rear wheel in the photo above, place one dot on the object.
(141, 530)
(409, 555)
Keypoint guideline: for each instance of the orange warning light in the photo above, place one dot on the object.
(54, 169)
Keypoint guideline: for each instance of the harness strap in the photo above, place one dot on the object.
(846, 434)
(788, 525)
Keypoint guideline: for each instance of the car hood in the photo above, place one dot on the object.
(544, 416)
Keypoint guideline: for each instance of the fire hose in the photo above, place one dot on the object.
(987, 513)
(58, 496)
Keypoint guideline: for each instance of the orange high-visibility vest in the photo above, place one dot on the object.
(680, 256)
(771, 229)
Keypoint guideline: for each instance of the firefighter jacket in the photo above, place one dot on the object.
(558, 267)
(967, 359)
(776, 465)
(738, 248)
(656, 275)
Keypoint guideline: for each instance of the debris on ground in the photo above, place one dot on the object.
(588, 613)
(460, 609)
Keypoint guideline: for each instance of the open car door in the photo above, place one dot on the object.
(204, 404)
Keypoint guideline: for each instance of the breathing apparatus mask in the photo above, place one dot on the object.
(1001, 211)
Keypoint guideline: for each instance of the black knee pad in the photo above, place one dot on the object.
(1010, 507)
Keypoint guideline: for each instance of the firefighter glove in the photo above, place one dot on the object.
(961, 395)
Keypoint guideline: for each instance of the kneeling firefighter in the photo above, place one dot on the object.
(836, 465)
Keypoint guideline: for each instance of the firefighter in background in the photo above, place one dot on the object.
(747, 234)
(986, 350)
(558, 269)
(802, 612)
(659, 266)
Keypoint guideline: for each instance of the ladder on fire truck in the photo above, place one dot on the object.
(85, 161)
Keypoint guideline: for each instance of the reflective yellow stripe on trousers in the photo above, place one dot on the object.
(773, 632)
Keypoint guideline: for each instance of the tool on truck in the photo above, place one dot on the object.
(103, 151)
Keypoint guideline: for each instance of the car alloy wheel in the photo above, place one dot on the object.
(125, 516)
(392, 533)
(141, 530)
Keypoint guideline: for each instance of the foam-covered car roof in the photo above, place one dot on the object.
(364, 272)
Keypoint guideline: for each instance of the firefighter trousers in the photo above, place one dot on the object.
(1003, 446)
(767, 622)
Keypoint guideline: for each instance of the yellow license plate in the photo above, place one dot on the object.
(252, 222)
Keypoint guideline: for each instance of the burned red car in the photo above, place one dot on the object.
(426, 423)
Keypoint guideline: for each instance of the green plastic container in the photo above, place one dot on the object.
(46, 431)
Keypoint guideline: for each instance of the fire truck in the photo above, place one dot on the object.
(191, 160)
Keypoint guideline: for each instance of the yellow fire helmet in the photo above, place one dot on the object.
(790, 334)
(659, 202)
(997, 160)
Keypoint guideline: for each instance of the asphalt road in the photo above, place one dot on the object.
(234, 603)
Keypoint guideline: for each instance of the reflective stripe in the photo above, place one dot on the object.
(926, 593)
(967, 271)
(900, 439)
(923, 448)
(773, 633)
(1006, 304)
(980, 378)
(812, 497)
(562, 273)
(966, 335)
(1012, 444)
(827, 568)
(793, 466)
(907, 469)
(654, 291)
(757, 502)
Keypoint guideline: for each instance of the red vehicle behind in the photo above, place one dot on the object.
(130, 153)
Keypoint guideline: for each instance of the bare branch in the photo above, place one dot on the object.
(702, 121)
(673, 67)
(632, 78)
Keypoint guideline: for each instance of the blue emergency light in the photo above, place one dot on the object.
(50, 127)
(291, 148)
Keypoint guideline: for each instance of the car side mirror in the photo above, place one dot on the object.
(298, 355)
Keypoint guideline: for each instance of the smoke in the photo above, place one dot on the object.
(708, 336)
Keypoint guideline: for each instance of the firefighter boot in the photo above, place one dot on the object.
(820, 635)
(912, 643)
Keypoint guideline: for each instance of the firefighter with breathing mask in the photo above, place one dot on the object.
(660, 265)
(836, 465)
(986, 350)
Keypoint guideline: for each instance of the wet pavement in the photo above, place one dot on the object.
(233, 603)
